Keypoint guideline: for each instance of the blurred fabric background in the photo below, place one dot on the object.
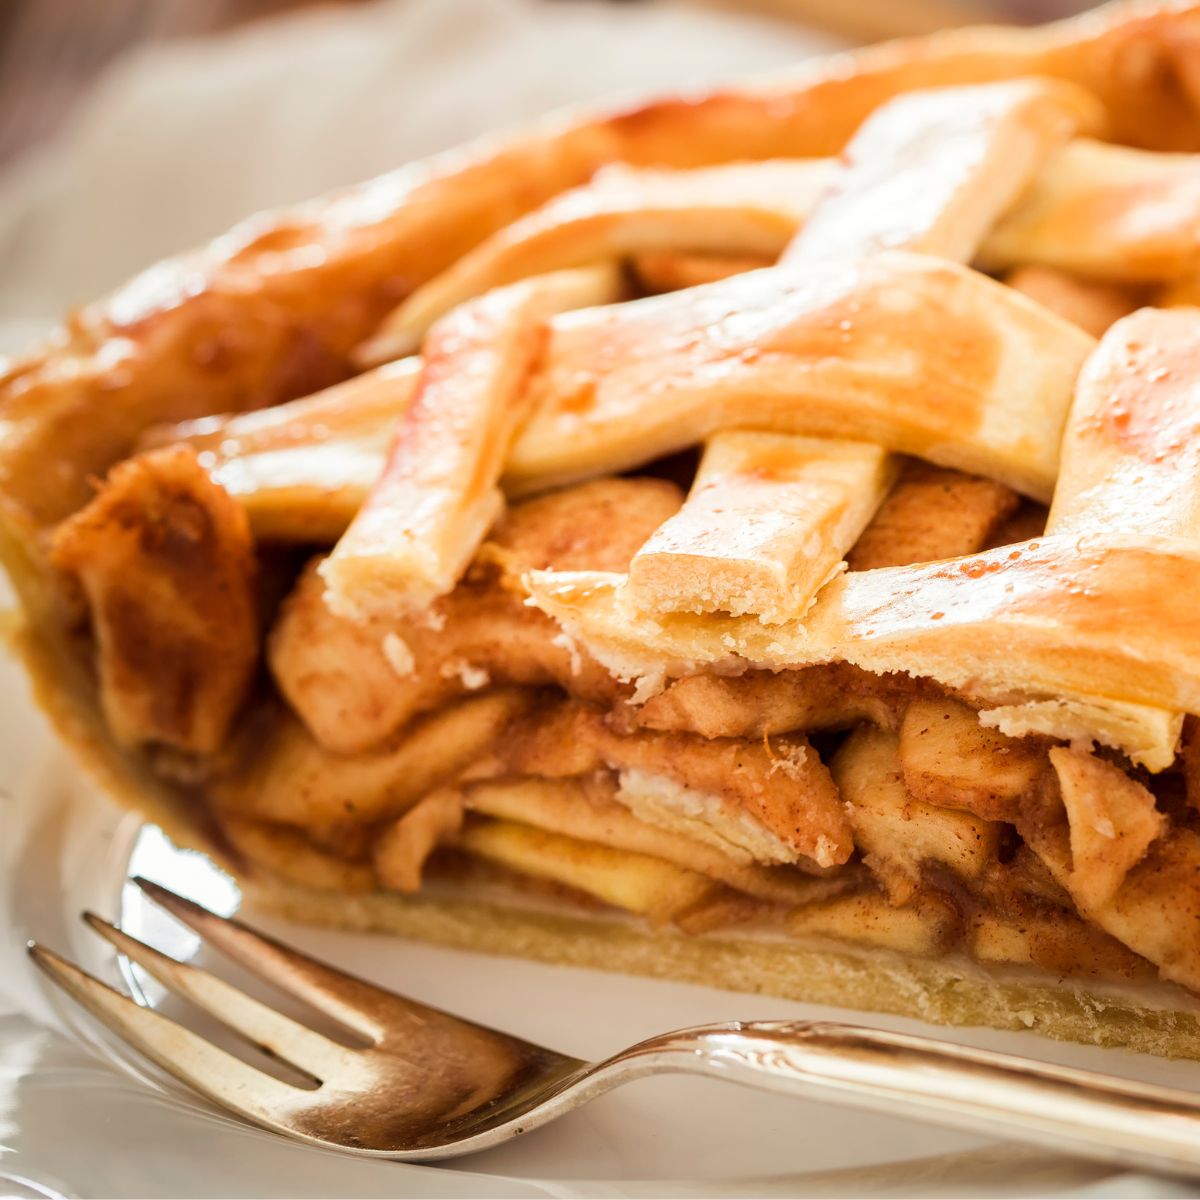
(51, 49)
(131, 129)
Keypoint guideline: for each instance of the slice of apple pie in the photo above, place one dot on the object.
(750, 538)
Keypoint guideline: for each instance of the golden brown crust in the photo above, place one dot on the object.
(213, 331)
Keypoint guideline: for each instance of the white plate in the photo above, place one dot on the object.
(80, 1115)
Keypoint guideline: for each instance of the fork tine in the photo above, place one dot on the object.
(273, 1032)
(373, 1012)
(356, 1004)
(192, 1060)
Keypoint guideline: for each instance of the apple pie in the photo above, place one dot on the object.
(750, 537)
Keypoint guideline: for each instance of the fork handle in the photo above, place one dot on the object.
(1077, 1112)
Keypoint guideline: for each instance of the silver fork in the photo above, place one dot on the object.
(429, 1085)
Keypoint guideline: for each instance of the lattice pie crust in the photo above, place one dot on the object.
(751, 537)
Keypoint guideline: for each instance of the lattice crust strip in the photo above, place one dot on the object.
(932, 170)
(1105, 212)
(1131, 455)
(303, 470)
(1130, 466)
(751, 208)
(768, 522)
(903, 350)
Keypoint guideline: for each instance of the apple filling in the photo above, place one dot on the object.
(475, 740)
(907, 666)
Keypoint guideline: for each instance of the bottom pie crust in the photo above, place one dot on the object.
(1156, 1019)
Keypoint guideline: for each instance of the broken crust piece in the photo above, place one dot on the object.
(1149, 736)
